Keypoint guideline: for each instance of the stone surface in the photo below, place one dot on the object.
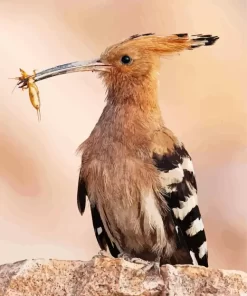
(194, 280)
(104, 276)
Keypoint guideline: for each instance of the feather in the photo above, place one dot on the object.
(100, 233)
(99, 230)
(81, 196)
(180, 192)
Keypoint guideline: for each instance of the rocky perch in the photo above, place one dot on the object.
(107, 276)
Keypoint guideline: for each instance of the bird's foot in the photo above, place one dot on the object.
(125, 257)
(102, 253)
(147, 265)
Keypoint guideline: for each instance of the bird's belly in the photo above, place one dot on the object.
(129, 208)
(136, 228)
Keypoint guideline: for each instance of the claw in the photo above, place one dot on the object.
(150, 266)
(125, 256)
(147, 265)
(102, 253)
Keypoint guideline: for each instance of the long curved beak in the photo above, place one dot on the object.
(94, 65)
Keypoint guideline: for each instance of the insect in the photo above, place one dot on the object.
(32, 88)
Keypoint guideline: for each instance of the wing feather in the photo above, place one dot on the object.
(179, 188)
(99, 230)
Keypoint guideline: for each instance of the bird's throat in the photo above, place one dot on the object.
(141, 92)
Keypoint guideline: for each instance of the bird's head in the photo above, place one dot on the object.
(133, 59)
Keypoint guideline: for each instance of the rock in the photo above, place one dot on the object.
(194, 280)
(105, 276)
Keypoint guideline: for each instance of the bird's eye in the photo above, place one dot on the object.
(126, 59)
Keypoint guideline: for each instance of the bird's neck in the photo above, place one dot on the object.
(132, 107)
(130, 119)
(136, 91)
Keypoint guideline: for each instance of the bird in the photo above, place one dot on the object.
(135, 172)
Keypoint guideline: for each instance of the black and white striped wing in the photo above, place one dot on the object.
(99, 230)
(180, 191)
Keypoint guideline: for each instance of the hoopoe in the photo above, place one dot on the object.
(137, 175)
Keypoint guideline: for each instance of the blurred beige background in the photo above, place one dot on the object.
(203, 97)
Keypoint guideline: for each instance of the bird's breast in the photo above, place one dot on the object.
(123, 184)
